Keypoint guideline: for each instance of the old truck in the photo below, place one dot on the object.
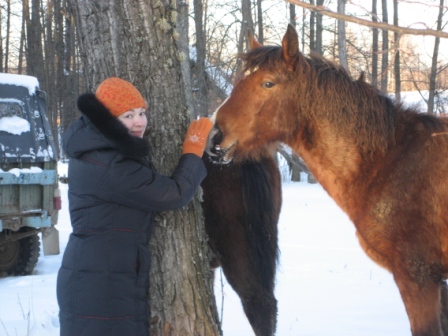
(29, 194)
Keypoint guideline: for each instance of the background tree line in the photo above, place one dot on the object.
(182, 57)
(38, 37)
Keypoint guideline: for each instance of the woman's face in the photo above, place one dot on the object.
(135, 121)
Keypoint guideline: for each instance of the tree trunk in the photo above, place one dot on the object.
(70, 76)
(385, 50)
(312, 29)
(397, 56)
(375, 49)
(319, 29)
(200, 87)
(34, 49)
(140, 41)
(22, 41)
(260, 22)
(1, 41)
(292, 14)
(433, 75)
(8, 31)
(342, 36)
(50, 38)
(247, 24)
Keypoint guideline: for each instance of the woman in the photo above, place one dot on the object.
(113, 194)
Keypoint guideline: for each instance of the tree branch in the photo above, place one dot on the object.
(380, 25)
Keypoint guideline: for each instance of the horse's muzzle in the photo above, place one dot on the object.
(213, 148)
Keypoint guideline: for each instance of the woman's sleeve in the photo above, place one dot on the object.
(136, 186)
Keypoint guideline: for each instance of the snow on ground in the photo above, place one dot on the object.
(325, 284)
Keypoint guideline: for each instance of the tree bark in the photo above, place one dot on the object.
(247, 24)
(140, 41)
(397, 72)
(312, 29)
(260, 22)
(319, 29)
(385, 50)
(34, 49)
(22, 41)
(200, 87)
(292, 14)
(433, 75)
(342, 47)
(8, 31)
(1, 41)
(375, 49)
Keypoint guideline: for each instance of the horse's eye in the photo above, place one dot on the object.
(267, 85)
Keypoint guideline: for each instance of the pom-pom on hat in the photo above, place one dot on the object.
(119, 96)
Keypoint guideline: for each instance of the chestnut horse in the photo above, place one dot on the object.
(241, 206)
(385, 165)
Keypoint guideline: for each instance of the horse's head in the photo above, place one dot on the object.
(252, 116)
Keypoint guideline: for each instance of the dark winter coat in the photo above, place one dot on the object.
(113, 194)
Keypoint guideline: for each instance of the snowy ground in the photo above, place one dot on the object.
(325, 283)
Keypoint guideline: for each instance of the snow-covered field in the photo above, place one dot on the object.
(325, 284)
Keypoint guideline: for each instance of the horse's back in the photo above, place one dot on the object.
(405, 201)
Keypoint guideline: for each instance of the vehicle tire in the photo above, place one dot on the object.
(20, 257)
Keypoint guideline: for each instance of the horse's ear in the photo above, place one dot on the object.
(362, 77)
(290, 44)
(253, 43)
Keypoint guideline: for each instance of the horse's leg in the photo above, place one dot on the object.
(422, 303)
(444, 307)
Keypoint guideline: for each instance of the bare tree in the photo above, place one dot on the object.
(260, 22)
(34, 48)
(144, 42)
(22, 42)
(247, 24)
(385, 50)
(433, 75)
(200, 87)
(342, 36)
(319, 29)
(312, 29)
(375, 49)
(1, 41)
(397, 72)
(8, 29)
(292, 14)
(380, 25)
(68, 70)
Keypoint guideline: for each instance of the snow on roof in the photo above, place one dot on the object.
(20, 80)
(14, 125)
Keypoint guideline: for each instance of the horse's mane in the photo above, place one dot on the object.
(264, 57)
(357, 108)
(261, 204)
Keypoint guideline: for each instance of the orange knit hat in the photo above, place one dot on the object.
(119, 96)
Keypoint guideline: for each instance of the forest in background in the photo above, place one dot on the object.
(39, 38)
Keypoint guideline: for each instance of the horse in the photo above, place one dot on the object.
(385, 165)
(241, 206)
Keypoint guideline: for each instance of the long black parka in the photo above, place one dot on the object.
(113, 194)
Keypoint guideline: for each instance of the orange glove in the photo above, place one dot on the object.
(196, 137)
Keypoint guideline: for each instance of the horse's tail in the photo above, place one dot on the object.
(262, 201)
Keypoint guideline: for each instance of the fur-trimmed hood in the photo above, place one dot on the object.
(98, 129)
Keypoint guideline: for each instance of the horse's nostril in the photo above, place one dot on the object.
(213, 143)
(217, 150)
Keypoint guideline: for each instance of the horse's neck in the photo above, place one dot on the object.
(335, 162)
